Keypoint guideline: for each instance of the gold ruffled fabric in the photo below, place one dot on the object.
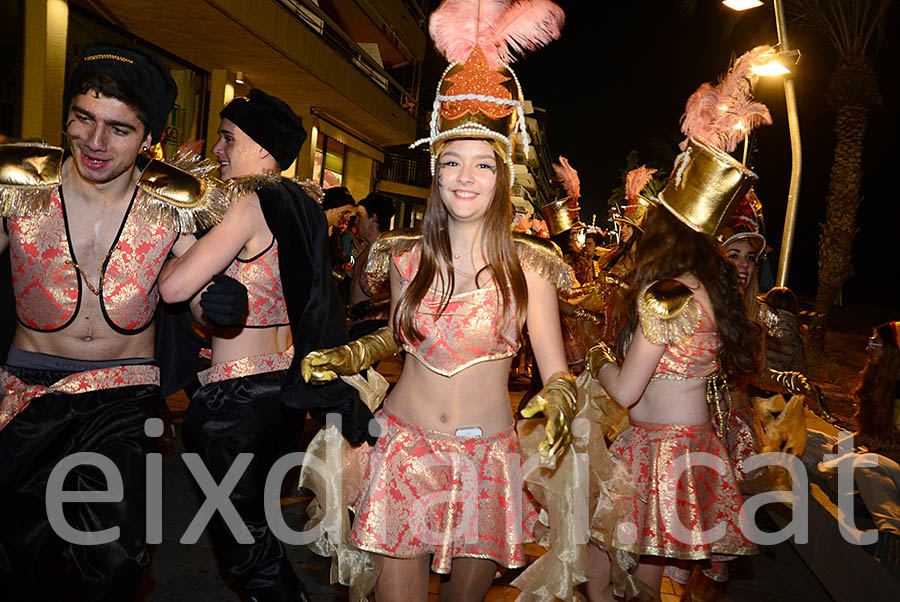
(181, 194)
(575, 495)
(386, 246)
(664, 322)
(544, 257)
(331, 470)
(29, 173)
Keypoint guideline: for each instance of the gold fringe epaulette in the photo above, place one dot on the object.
(668, 312)
(544, 257)
(238, 187)
(311, 188)
(29, 172)
(181, 194)
(387, 245)
(235, 188)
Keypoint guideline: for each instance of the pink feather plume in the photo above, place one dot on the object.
(525, 25)
(569, 177)
(635, 181)
(458, 25)
(503, 28)
(724, 115)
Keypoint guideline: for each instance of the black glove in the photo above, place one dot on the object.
(225, 301)
(355, 418)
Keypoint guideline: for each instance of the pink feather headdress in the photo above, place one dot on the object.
(478, 95)
(568, 176)
(501, 28)
(635, 181)
(723, 115)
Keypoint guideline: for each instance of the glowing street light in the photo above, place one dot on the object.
(741, 4)
(790, 99)
(770, 69)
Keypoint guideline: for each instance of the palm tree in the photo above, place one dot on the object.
(853, 27)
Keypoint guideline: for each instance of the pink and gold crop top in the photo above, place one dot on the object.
(469, 330)
(48, 288)
(671, 315)
(265, 295)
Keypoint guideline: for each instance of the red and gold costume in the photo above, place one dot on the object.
(470, 490)
(668, 483)
(53, 407)
(265, 295)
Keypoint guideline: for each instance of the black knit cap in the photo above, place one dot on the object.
(380, 206)
(337, 196)
(141, 76)
(270, 122)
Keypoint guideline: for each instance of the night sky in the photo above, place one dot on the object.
(618, 79)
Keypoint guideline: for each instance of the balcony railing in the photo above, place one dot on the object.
(313, 17)
(405, 170)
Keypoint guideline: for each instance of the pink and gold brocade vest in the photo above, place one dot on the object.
(469, 330)
(262, 277)
(693, 358)
(48, 288)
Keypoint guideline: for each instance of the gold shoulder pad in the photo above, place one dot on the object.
(668, 312)
(29, 172)
(389, 244)
(544, 257)
(181, 194)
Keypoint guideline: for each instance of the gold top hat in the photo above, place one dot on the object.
(562, 215)
(705, 187)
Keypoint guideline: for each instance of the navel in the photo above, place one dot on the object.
(443, 418)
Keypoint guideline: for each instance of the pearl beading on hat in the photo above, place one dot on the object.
(477, 129)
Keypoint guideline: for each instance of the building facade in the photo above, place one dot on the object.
(350, 68)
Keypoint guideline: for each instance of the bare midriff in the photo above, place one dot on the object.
(249, 342)
(474, 397)
(88, 337)
(672, 402)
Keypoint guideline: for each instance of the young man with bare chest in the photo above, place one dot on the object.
(88, 232)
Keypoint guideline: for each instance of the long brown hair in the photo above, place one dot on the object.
(436, 262)
(876, 390)
(669, 249)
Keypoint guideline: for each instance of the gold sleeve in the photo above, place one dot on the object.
(668, 312)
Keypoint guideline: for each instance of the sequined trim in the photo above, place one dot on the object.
(17, 394)
(247, 366)
(545, 258)
(664, 325)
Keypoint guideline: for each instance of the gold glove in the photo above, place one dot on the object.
(598, 356)
(325, 365)
(557, 402)
(796, 383)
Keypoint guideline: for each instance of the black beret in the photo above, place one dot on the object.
(270, 122)
(337, 196)
(379, 206)
(141, 76)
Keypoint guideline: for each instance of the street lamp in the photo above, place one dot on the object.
(790, 98)
(741, 4)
